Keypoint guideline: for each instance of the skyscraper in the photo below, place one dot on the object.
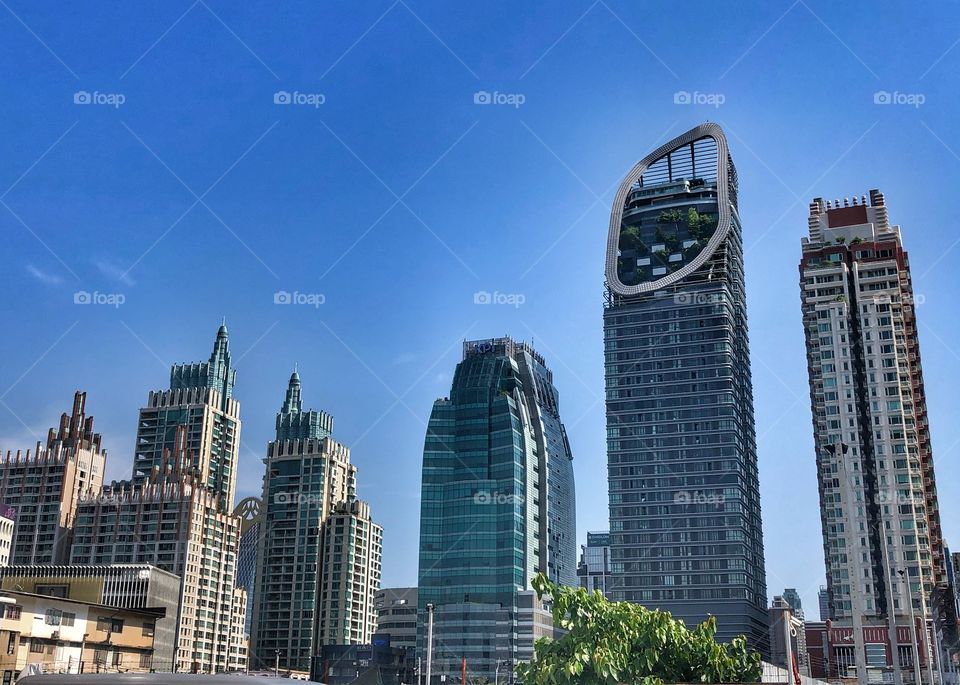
(308, 474)
(250, 512)
(176, 512)
(200, 398)
(823, 602)
(44, 488)
(685, 532)
(349, 575)
(792, 597)
(594, 567)
(497, 507)
(882, 540)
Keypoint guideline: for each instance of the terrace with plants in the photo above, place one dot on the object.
(662, 242)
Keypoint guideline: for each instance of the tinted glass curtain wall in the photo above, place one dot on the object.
(497, 507)
(685, 529)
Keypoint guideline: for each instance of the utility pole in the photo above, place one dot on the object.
(276, 667)
(429, 641)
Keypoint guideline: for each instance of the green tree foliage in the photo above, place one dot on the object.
(609, 643)
(699, 224)
(629, 237)
(669, 216)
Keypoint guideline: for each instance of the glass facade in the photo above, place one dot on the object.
(685, 523)
(498, 507)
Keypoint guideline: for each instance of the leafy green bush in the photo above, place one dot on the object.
(609, 643)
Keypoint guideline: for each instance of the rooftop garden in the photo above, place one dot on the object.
(659, 244)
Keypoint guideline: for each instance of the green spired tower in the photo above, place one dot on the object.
(308, 479)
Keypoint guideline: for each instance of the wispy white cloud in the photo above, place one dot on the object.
(43, 276)
(114, 272)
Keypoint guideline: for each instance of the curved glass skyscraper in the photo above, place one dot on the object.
(497, 507)
(685, 532)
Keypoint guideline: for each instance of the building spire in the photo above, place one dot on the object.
(292, 403)
(221, 346)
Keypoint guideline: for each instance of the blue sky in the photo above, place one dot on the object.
(386, 193)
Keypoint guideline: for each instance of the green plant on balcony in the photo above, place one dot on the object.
(629, 238)
(699, 225)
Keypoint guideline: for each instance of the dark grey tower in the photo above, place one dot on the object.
(685, 532)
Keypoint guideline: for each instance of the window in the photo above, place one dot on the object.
(36, 647)
(13, 611)
(53, 590)
(69, 619)
(117, 658)
(876, 654)
(53, 617)
(107, 624)
(146, 661)
(149, 628)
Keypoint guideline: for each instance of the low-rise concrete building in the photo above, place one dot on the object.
(124, 586)
(46, 634)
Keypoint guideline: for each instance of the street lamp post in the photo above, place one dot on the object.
(429, 641)
(276, 666)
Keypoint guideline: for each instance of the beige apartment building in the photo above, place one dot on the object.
(176, 512)
(42, 489)
(349, 575)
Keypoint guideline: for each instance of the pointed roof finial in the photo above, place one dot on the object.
(292, 402)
